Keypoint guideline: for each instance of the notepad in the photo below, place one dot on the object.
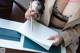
(40, 33)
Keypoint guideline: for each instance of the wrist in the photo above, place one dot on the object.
(61, 39)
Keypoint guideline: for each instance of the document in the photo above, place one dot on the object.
(40, 33)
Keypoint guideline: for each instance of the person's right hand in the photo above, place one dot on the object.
(31, 13)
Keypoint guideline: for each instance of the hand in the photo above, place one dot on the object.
(57, 39)
(30, 13)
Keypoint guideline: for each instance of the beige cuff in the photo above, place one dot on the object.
(66, 38)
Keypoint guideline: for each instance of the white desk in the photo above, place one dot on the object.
(13, 44)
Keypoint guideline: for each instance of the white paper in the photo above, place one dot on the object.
(13, 25)
(40, 33)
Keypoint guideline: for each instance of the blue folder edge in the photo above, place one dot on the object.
(32, 45)
(9, 38)
(8, 34)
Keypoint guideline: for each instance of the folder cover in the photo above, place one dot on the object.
(8, 34)
(32, 45)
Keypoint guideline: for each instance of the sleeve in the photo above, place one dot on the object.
(38, 6)
(70, 35)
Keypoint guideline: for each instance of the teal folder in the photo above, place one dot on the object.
(8, 34)
(32, 45)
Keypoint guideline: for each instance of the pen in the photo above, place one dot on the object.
(31, 16)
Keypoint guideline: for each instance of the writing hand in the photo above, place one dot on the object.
(30, 13)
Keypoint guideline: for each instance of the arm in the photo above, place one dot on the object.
(70, 35)
(73, 32)
(66, 37)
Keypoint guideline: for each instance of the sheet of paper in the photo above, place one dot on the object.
(9, 24)
(39, 34)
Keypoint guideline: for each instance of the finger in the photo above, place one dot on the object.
(56, 42)
(34, 14)
(27, 16)
(52, 38)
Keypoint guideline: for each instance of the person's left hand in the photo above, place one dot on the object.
(57, 39)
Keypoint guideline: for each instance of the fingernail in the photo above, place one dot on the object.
(50, 38)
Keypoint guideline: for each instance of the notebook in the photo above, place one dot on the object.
(39, 35)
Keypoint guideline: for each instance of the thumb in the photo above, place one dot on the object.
(34, 14)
